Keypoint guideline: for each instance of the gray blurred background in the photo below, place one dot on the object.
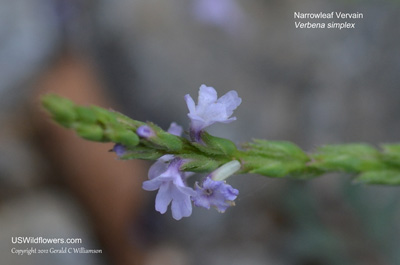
(309, 86)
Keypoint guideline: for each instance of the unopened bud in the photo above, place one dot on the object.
(225, 170)
(145, 131)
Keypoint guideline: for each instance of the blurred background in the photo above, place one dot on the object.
(140, 57)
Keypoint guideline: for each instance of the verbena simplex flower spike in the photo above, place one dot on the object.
(178, 158)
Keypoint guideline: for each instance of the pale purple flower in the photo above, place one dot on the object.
(170, 182)
(215, 193)
(145, 131)
(166, 176)
(210, 109)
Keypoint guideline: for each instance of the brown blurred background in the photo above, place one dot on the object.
(141, 57)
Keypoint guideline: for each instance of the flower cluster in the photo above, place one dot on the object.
(166, 176)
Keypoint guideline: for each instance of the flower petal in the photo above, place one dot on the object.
(181, 203)
(190, 103)
(231, 101)
(228, 120)
(150, 185)
(157, 169)
(207, 95)
(163, 198)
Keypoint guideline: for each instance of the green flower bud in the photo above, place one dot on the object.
(198, 163)
(144, 154)
(391, 154)
(380, 177)
(125, 137)
(86, 115)
(61, 109)
(220, 145)
(276, 168)
(90, 132)
(347, 158)
(276, 149)
(169, 141)
(104, 116)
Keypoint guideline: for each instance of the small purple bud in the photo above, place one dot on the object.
(119, 149)
(145, 131)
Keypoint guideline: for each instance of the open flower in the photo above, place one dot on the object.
(166, 176)
(170, 182)
(215, 193)
(210, 109)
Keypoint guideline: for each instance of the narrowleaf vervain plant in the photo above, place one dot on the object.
(177, 157)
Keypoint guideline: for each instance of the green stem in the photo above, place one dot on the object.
(269, 158)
